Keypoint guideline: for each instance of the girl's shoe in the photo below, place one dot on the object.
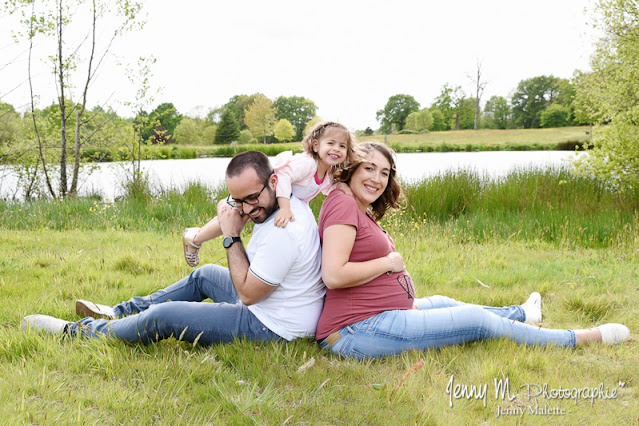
(192, 258)
(94, 310)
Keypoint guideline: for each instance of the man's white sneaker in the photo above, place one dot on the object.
(613, 334)
(94, 310)
(50, 325)
(532, 308)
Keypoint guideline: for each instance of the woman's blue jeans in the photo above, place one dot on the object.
(440, 321)
(178, 311)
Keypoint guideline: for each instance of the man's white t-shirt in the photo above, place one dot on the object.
(290, 260)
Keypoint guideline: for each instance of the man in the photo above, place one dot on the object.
(271, 291)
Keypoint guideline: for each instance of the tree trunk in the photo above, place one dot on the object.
(33, 116)
(63, 117)
(479, 89)
(78, 122)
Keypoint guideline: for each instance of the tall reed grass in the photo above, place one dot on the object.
(550, 205)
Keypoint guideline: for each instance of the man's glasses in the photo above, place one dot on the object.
(251, 201)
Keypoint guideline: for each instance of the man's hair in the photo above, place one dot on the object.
(255, 160)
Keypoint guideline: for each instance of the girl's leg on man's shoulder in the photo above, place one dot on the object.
(208, 282)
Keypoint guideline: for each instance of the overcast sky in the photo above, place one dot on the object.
(347, 56)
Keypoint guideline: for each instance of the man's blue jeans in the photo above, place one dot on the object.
(177, 311)
(440, 321)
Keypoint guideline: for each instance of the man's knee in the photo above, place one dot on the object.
(210, 270)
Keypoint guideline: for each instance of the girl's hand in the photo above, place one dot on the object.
(283, 217)
(345, 188)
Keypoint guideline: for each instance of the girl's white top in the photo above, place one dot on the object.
(296, 175)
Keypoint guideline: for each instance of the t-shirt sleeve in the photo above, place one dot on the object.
(339, 209)
(274, 257)
(295, 171)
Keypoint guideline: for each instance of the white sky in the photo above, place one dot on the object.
(347, 56)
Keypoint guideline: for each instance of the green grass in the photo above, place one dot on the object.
(485, 242)
(551, 205)
(562, 138)
(47, 380)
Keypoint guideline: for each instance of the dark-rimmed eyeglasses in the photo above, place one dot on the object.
(251, 201)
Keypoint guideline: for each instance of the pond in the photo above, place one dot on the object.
(106, 178)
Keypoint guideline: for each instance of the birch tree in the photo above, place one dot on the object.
(75, 62)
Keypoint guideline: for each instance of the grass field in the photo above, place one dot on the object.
(52, 253)
(489, 140)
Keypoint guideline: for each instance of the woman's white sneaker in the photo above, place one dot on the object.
(532, 308)
(613, 334)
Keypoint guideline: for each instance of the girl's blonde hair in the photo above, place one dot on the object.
(316, 133)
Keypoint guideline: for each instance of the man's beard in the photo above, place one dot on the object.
(268, 210)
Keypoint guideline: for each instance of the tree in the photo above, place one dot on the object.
(611, 95)
(246, 137)
(166, 117)
(189, 131)
(395, 112)
(208, 134)
(312, 123)
(297, 110)
(449, 103)
(586, 105)
(284, 131)
(74, 67)
(214, 115)
(238, 104)
(229, 129)
(497, 113)
(10, 125)
(465, 114)
(419, 121)
(439, 121)
(534, 95)
(260, 117)
(139, 75)
(479, 90)
(555, 116)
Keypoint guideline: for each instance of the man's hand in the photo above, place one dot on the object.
(231, 220)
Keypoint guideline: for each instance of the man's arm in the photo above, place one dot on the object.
(249, 288)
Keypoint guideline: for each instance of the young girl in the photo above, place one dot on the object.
(327, 145)
(304, 175)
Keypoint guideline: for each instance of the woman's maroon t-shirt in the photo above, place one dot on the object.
(346, 306)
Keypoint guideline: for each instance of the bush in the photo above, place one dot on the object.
(246, 137)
